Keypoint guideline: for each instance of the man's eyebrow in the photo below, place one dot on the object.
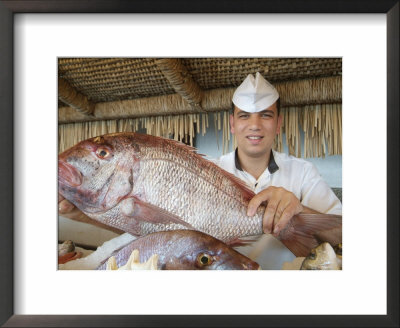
(267, 111)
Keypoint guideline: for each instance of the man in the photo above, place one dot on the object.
(287, 184)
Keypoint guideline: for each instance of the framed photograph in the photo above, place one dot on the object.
(35, 34)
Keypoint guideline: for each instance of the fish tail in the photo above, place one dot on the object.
(306, 231)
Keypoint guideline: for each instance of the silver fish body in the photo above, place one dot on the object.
(146, 176)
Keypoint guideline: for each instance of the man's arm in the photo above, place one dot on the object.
(282, 205)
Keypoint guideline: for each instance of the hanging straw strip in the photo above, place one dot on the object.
(321, 124)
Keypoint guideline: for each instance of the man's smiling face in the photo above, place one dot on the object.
(255, 132)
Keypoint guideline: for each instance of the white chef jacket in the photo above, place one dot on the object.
(295, 175)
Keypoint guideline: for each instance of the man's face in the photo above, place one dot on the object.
(255, 132)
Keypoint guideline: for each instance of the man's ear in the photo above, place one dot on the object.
(278, 127)
(231, 123)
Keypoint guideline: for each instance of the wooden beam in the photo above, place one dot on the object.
(293, 93)
(214, 100)
(181, 80)
(72, 97)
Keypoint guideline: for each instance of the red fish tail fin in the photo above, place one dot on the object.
(307, 231)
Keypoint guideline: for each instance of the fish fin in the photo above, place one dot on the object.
(246, 192)
(240, 242)
(154, 214)
(307, 231)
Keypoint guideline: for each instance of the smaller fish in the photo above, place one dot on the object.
(184, 250)
(66, 252)
(323, 257)
(66, 247)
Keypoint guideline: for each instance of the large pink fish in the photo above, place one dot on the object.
(142, 184)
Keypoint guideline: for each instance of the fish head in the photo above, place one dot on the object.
(96, 174)
(202, 252)
(224, 258)
(322, 257)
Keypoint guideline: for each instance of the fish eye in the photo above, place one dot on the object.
(103, 153)
(312, 255)
(204, 259)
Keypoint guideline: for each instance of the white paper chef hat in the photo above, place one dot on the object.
(255, 94)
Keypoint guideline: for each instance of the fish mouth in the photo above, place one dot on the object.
(68, 175)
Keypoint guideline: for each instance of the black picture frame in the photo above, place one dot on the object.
(7, 11)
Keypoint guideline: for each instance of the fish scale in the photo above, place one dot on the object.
(162, 180)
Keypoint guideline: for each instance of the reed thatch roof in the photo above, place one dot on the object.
(112, 88)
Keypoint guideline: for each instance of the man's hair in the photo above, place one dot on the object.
(278, 106)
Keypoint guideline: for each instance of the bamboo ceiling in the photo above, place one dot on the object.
(152, 90)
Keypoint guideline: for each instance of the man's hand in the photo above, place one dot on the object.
(64, 206)
(282, 205)
(68, 210)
